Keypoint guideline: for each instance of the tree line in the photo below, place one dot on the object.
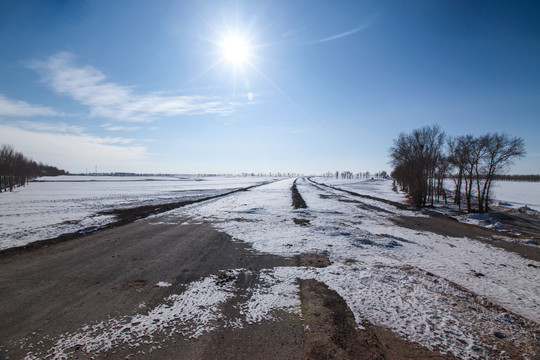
(360, 175)
(530, 177)
(423, 158)
(16, 169)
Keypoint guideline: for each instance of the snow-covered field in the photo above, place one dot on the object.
(52, 206)
(456, 295)
(513, 194)
(517, 194)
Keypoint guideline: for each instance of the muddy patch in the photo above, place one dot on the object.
(297, 200)
(324, 196)
(301, 222)
(314, 260)
(134, 284)
(332, 332)
(245, 220)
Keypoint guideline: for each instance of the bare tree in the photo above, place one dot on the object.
(500, 151)
(17, 170)
(458, 156)
(420, 165)
(415, 158)
(6, 166)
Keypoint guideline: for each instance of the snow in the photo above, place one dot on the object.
(510, 194)
(52, 206)
(446, 293)
(517, 193)
(377, 187)
(274, 292)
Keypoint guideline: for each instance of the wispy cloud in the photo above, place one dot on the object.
(58, 127)
(90, 87)
(72, 149)
(17, 108)
(366, 24)
(112, 127)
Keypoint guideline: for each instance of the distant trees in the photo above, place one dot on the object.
(530, 177)
(17, 170)
(347, 175)
(421, 162)
(350, 175)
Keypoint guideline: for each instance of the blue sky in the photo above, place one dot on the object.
(143, 86)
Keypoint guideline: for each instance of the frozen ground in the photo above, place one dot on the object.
(392, 276)
(381, 188)
(455, 295)
(52, 206)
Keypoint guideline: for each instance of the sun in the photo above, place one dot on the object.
(235, 49)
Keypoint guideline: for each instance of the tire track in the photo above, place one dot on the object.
(297, 200)
(389, 202)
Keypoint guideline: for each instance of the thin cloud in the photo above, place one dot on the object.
(90, 87)
(59, 127)
(112, 127)
(17, 108)
(370, 21)
(56, 145)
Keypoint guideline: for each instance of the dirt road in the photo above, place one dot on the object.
(57, 289)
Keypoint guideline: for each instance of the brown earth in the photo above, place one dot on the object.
(297, 200)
